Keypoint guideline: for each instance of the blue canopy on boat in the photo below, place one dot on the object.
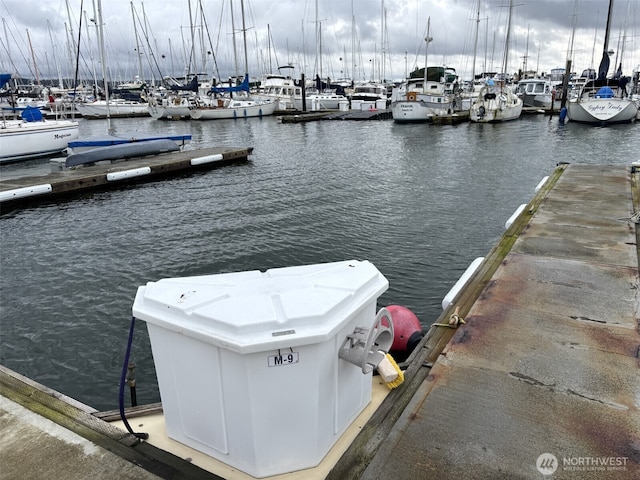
(192, 86)
(31, 114)
(243, 87)
(604, 92)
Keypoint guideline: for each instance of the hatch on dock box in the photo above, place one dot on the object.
(248, 365)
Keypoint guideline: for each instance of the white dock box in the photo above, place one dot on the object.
(247, 362)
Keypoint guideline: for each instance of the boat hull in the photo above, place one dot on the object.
(421, 109)
(168, 112)
(410, 112)
(174, 108)
(319, 102)
(23, 140)
(494, 107)
(602, 110)
(230, 112)
(117, 109)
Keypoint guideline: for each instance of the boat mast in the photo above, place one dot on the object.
(567, 68)
(505, 62)
(33, 58)
(382, 52)
(192, 53)
(73, 40)
(233, 37)
(244, 39)
(475, 47)
(427, 39)
(104, 68)
(55, 57)
(318, 47)
(93, 60)
(135, 33)
(353, 45)
(526, 53)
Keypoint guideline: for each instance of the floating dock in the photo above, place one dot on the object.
(542, 379)
(301, 117)
(104, 175)
(531, 372)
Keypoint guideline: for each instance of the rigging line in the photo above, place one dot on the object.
(213, 51)
(75, 75)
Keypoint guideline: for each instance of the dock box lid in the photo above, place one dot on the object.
(255, 311)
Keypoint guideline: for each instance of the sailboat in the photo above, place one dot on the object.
(234, 107)
(128, 99)
(320, 93)
(110, 147)
(603, 100)
(497, 103)
(32, 136)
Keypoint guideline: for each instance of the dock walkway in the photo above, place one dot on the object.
(543, 379)
(540, 381)
(103, 175)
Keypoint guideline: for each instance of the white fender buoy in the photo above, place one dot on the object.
(462, 281)
(135, 172)
(542, 182)
(207, 159)
(515, 215)
(25, 192)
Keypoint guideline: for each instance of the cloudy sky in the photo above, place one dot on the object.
(373, 38)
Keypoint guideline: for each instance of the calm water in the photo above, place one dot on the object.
(419, 201)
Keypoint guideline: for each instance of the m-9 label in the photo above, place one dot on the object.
(283, 359)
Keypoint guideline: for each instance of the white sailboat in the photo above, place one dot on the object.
(111, 147)
(604, 100)
(234, 107)
(497, 103)
(32, 136)
(318, 93)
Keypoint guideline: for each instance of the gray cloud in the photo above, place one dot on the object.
(286, 29)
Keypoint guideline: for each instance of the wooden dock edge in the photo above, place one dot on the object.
(26, 190)
(365, 446)
(80, 419)
(635, 197)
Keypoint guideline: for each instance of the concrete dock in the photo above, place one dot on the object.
(543, 380)
(536, 376)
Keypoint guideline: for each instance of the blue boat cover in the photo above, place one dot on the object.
(192, 86)
(4, 78)
(243, 87)
(31, 114)
(604, 92)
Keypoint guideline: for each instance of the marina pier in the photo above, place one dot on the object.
(530, 372)
(104, 175)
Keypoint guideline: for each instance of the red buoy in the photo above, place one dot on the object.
(407, 331)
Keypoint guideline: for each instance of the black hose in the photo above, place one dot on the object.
(123, 377)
